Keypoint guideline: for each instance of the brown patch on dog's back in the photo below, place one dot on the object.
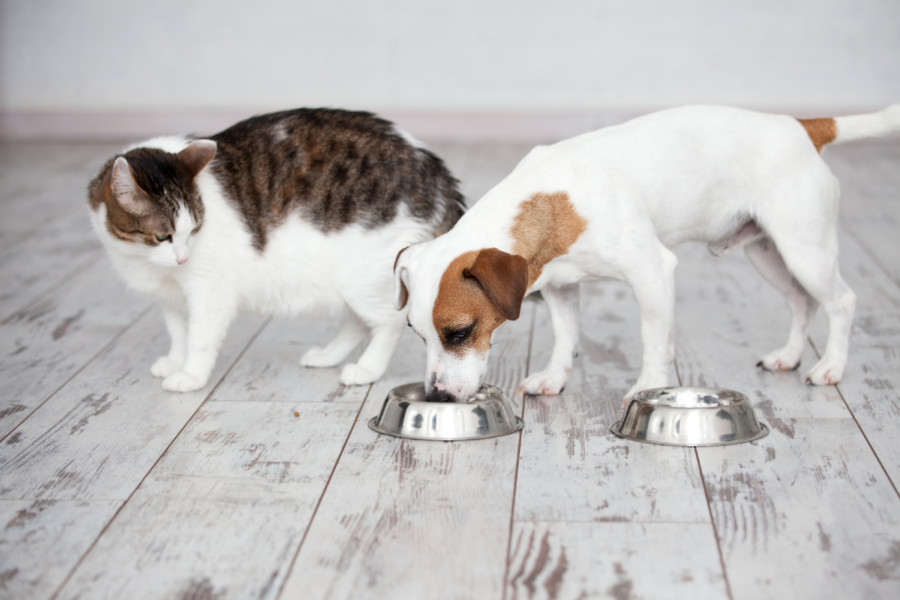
(461, 302)
(820, 131)
(546, 227)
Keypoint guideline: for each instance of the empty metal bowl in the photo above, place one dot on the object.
(406, 414)
(690, 416)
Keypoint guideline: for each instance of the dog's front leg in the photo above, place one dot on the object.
(562, 303)
(654, 289)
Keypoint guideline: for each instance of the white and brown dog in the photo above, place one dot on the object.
(611, 204)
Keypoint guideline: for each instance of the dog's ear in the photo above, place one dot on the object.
(504, 279)
(401, 276)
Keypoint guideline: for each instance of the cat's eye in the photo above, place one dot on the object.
(161, 237)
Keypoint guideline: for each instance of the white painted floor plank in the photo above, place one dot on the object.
(416, 519)
(99, 436)
(559, 560)
(807, 512)
(42, 540)
(571, 467)
(225, 509)
(816, 503)
(772, 500)
(270, 369)
(45, 345)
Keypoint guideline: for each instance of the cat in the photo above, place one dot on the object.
(296, 212)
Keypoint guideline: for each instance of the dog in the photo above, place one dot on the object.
(612, 204)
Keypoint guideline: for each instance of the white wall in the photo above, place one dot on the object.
(458, 56)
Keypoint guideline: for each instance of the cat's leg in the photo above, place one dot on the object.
(210, 312)
(351, 333)
(176, 322)
(374, 360)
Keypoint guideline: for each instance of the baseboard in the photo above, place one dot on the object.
(427, 126)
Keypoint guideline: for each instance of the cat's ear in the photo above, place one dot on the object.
(126, 191)
(197, 155)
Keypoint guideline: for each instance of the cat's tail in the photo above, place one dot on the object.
(838, 130)
(450, 205)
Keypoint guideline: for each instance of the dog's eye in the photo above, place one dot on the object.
(460, 335)
(161, 237)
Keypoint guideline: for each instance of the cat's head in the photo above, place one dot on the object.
(146, 202)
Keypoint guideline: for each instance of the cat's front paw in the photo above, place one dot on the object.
(353, 374)
(183, 382)
(164, 366)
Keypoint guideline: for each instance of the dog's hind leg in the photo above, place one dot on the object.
(562, 302)
(348, 337)
(810, 253)
(653, 282)
(768, 261)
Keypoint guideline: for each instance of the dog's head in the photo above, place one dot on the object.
(454, 306)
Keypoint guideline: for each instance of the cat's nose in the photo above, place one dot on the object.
(181, 261)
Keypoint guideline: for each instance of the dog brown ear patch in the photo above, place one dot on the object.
(461, 301)
(820, 131)
(504, 278)
(546, 227)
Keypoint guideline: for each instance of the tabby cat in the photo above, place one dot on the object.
(302, 211)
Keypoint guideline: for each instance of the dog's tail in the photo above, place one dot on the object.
(838, 130)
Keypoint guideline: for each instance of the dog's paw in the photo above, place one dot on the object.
(780, 360)
(824, 374)
(353, 374)
(318, 357)
(545, 383)
(164, 366)
(183, 382)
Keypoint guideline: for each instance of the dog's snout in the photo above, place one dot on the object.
(436, 395)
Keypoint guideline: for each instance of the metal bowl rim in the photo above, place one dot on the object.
(763, 432)
(519, 425)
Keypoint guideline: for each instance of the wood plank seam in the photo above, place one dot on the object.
(837, 388)
(40, 296)
(75, 373)
(512, 510)
(322, 495)
(80, 560)
(712, 522)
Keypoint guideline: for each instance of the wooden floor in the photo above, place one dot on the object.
(112, 488)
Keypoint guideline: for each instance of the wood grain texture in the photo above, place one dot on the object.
(44, 218)
(871, 384)
(571, 467)
(226, 507)
(775, 503)
(44, 345)
(217, 506)
(270, 369)
(559, 560)
(42, 540)
(416, 519)
(815, 503)
(99, 436)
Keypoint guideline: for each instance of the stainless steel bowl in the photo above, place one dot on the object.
(406, 414)
(690, 416)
